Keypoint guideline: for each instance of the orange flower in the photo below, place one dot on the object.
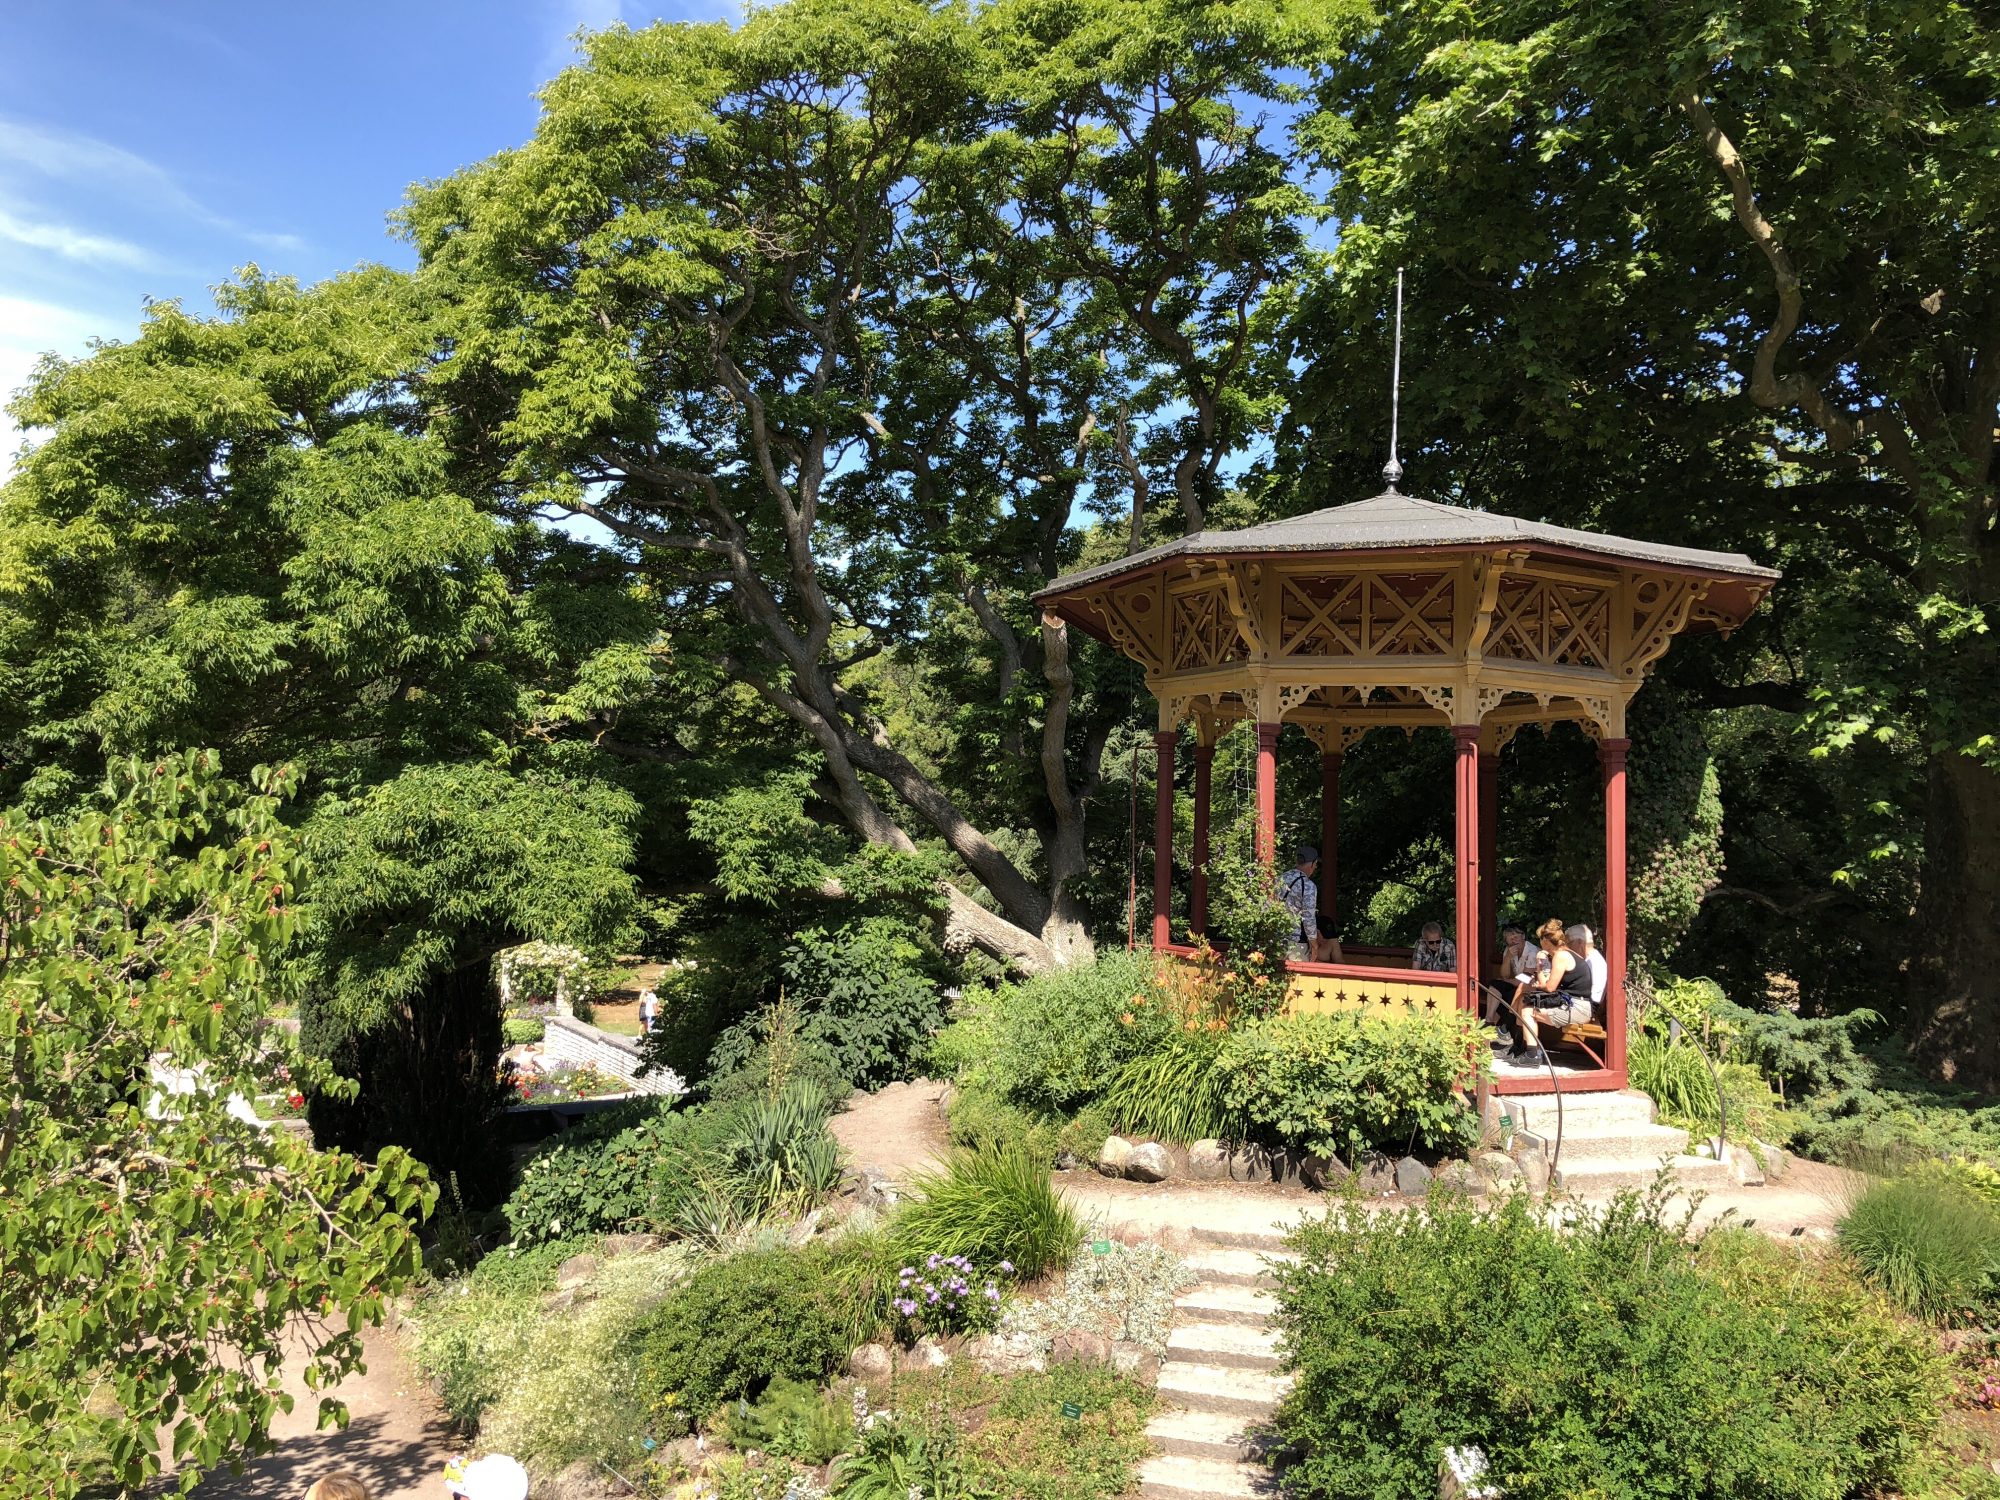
(1126, 1019)
(1218, 1024)
(1189, 1026)
(1261, 980)
(1256, 958)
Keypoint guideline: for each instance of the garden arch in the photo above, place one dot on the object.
(1396, 612)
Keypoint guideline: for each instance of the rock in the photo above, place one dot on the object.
(930, 1353)
(1150, 1163)
(1208, 1161)
(1495, 1166)
(1461, 1177)
(1065, 1161)
(1322, 1173)
(1114, 1156)
(1135, 1361)
(1413, 1178)
(1003, 1354)
(1777, 1160)
(945, 1096)
(1075, 1347)
(1249, 1164)
(871, 1363)
(582, 1480)
(1744, 1160)
(1534, 1169)
(1377, 1173)
(630, 1244)
(575, 1271)
(875, 1189)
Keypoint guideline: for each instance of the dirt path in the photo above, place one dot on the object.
(394, 1439)
(897, 1132)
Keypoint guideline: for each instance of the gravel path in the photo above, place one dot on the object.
(897, 1132)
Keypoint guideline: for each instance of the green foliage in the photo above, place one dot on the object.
(1975, 1177)
(1177, 1093)
(1677, 1076)
(1050, 1044)
(1247, 917)
(142, 937)
(1931, 1245)
(736, 1325)
(769, 1052)
(989, 1206)
(867, 998)
(1346, 1083)
(1734, 1367)
(1674, 829)
(526, 1268)
(1126, 1293)
(520, 1031)
(593, 1181)
(792, 1419)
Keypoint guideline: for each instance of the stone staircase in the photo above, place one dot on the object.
(1609, 1141)
(1220, 1377)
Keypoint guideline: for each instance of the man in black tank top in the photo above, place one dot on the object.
(1560, 998)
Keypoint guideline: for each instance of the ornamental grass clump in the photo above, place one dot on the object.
(989, 1206)
(1930, 1244)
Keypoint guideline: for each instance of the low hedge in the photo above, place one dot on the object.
(1604, 1357)
(1346, 1083)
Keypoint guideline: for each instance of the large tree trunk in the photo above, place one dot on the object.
(1954, 999)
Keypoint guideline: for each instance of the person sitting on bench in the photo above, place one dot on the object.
(1584, 941)
(1567, 984)
(1520, 964)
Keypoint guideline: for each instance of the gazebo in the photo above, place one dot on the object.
(1397, 612)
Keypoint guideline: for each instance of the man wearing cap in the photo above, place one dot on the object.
(1301, 897)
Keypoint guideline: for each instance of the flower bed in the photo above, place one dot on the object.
(561, 1085)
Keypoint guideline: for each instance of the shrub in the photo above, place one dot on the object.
(1605, 1356)
(768, 1052)
(1052, 1042)
(576, 1387)
(1176, 1093)
(464, 1338)
(1343, 1084)
(521, 1031)
(996, 1208)
(1676, 1075)
(866, 998)
(736, 1325)
(791, 1420)
(599, 1183)
(526, 1268)
(1933, 1247)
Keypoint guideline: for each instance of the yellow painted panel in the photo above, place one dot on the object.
(1319, 995)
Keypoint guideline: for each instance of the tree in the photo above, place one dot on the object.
(1753, 244)
(158, 1251)
(836, 320)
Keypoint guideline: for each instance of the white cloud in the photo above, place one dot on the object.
(28, 330)
(72, 243)
(67, 156)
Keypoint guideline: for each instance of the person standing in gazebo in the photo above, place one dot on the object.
(1300, 893)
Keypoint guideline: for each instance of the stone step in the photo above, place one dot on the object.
(1600, 1179)
(1223, 1302)
(1267, 1239)
(1224, 1437)
(1219, 1344)
(1175, 1477)
(1231, 1267)
(1537, 1112)
(1627, 1143)
(1222, 1389)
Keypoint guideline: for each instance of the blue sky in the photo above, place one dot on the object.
(149, 147)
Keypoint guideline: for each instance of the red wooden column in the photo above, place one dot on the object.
(1329, 828)
(1267, 793)
(1611, 759)
(1489, 856)
(1164, 743)
(1204, 769)
(1465, 768)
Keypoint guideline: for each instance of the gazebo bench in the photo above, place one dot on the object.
(1582, 1036)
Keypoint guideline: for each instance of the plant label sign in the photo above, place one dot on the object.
(1100, 1247)
(1072, 1411)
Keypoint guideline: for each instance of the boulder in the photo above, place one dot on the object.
(930, 1354)
(945, 1095)
(1461, 1177)
(1249, 1164)
(1150, 1163)
(1322, 1173)
(1073, 1346)
(1777, 1160)
(580, 1481)
(1005, 1354)
(1377, 1174)
(1065, 1161)
(1413, 1178)
(1208, 1161)
(1495, 1166)
(871, 1363)
(1114, 1156)
(1135, 1362)
(630, 1244)
(575, 1271)
(1534, 1169)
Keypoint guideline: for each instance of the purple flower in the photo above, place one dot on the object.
(1007, 1266)
(906, 1307)
(991, 1295)
(932, 1297)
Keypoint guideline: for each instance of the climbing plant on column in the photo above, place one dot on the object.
(156, 1249)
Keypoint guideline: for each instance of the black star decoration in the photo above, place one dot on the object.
(1430, 1005)
(1385, 1000)
(1319, 994)
(1340, 997)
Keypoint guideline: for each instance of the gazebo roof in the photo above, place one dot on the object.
(1393, 522)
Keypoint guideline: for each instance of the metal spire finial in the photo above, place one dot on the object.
(1393, 470)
